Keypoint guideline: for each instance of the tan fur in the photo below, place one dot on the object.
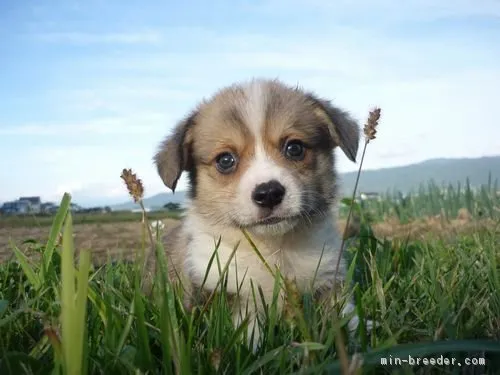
(254, 121)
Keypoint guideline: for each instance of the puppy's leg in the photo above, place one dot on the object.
(249, 307)
(253, 327)
(253, 309)
(353, 323)
(327, 295)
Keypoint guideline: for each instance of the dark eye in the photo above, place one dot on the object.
(295, 150)
(225, 162)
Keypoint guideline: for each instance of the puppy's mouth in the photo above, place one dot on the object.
(272, 220)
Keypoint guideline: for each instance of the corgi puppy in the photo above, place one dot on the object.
(260, 159)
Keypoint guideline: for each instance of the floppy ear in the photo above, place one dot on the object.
(174, 154)
(343, 129)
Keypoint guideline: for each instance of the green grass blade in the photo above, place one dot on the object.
(263, 360)
(31, 275)
(144, 359)
(81, 308)
(73, 303)
(56, 228)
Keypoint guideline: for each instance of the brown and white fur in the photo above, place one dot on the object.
(255, 122)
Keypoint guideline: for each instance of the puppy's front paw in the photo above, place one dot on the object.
(371, 325)
(353, 323)
(253, 329)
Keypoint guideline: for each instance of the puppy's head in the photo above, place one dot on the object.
(259, 156)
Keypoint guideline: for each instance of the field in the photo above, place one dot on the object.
(113, 234)
(426, 267)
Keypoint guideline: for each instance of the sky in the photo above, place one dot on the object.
(88, 88)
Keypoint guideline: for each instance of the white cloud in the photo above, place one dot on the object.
(68, 187)
(300, 59)
(387, 10)
(448, 117)
(147, 37)
(344, 53)
(136, 124)
(121, 97)
(90, 172)
(109, 190)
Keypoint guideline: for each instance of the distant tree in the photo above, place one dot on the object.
(171, 206)
(107, 209)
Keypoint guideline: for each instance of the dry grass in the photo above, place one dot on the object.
(115, 239)
(121, 239)
(428, 228)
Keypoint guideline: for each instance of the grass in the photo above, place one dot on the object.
(431, 298)
(432, 199)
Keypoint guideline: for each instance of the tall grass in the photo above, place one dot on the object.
(431, 199)
(429, 298)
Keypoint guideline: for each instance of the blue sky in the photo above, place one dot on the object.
(90, 87)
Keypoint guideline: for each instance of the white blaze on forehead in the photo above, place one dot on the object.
(255, 107)
(262, 167)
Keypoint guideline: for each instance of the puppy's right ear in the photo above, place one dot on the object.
(174, 155)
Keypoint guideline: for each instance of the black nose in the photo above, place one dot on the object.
(268, 194)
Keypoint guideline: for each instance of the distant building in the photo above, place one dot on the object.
(24, 205)
(34, 204)
(48, 208)
(15, 207)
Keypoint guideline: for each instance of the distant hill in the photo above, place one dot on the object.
(409, 177)
(403, 178)
(156, 201)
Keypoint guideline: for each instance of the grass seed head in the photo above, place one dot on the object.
(292, 300)
(370, 128)
(215, 358)
(134, 184)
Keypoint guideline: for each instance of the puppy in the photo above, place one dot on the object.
(260, 158)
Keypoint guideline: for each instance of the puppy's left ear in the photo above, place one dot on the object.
(174, 154)
(341, 126)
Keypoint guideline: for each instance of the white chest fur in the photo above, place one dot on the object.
(302, 255)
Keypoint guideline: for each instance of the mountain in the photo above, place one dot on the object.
(409, 177)
(156, 201)
(404, 179)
